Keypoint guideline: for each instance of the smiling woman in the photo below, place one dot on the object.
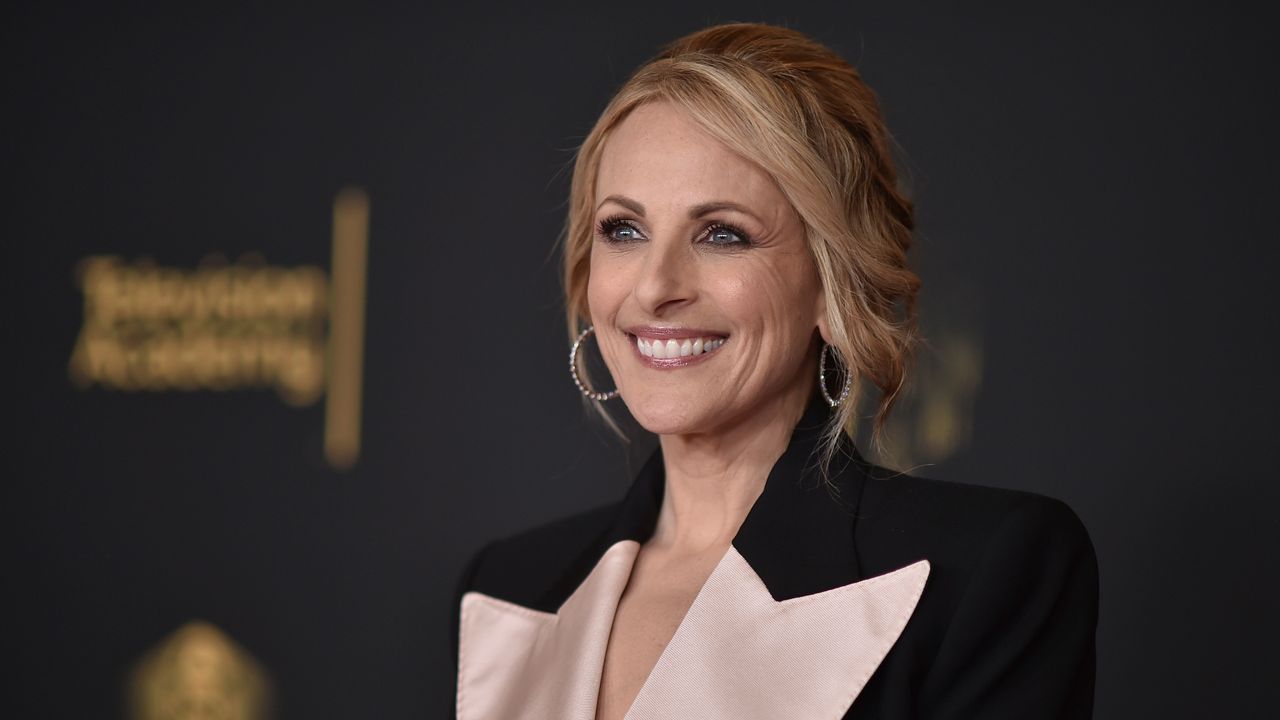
(735, 235)
(707, 249)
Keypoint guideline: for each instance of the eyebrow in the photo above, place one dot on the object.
(695, 212)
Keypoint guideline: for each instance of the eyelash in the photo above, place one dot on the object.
(605, 228)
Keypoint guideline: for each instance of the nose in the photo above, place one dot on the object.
(667, 277)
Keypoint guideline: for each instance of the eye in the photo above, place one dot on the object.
(616, 229)
(725, 234)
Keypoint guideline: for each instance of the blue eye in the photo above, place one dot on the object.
(726, 234)
(616, 230)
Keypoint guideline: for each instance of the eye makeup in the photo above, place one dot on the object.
(606, 227)
(722, 228)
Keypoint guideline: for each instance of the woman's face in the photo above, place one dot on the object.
(702, 290)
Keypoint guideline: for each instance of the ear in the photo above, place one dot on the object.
(820, 319)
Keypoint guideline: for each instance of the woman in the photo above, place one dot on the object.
(738, 248)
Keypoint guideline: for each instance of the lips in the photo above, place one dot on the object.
(673, 348)
(665, 347)
(669, 333)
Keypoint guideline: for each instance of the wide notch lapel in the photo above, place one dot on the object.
(520, 663)
(740, 654)
(515, 662)
(785, 626)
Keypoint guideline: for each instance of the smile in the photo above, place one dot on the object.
(669, 348)
(673, 348)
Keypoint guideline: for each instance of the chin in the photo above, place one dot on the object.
(664, 415)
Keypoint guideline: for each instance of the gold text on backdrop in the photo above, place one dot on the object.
(224, 326)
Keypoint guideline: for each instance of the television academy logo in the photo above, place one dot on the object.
(224, 326)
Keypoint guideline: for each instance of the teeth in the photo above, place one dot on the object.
(663, 349)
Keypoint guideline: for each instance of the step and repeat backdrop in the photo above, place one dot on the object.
(285, 344)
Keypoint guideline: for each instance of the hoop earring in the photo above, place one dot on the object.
(573, 370)
(822, 378)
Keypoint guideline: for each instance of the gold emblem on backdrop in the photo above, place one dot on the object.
(198, 673)
(247, 324)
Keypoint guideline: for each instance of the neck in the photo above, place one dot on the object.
(713, 479)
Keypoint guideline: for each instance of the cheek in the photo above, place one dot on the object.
(607, 286)
(798, 282)
(776, 297)
(607, 289)
(597, 284)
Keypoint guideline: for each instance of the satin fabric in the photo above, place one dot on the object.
(738, 653)
(866, 593)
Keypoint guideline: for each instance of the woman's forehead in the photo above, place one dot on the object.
(659, 156)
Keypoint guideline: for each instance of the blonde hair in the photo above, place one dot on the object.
(804, 115)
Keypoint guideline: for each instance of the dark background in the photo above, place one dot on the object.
(1095, 186)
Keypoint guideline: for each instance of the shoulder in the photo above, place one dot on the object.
(1006, 624)
(1009, 612)
(958, 526)
(989, 549)
(527, 566)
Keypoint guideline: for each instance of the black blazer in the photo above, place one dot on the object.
(997, 622)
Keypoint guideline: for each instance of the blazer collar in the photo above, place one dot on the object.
(798, 536)
(783, 627)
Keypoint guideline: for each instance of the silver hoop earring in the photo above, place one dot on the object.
(822, 378)
(573, 370)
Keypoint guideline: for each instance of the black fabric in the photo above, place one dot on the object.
(1005, 626)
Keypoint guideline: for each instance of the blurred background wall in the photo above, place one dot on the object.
(285, 337)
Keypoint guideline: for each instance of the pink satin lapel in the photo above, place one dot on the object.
(738, 653)
(515, 663)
